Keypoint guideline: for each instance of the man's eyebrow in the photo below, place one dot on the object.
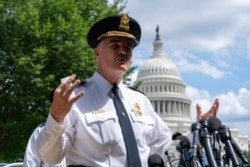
(128, 42)
(115, 40)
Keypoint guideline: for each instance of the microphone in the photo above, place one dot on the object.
(214, 124)
(205, 140)
(155, 161)
(225, 136)
(195, 129)
(195, 150)
(185, 147)
(175, 135)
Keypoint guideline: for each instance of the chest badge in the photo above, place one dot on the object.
(137, 109)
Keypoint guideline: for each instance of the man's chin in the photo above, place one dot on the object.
(123, 68)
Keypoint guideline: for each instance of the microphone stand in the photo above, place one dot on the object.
(239, 152)
(216, 148)
(196, 159)
(225, 159)
(185, 152)
(199, 155)
(225, 136)
(206, 142)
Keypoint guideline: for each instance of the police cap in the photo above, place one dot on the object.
(116, 25)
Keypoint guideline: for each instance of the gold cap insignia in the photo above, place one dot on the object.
(124, 23)
(137, 109)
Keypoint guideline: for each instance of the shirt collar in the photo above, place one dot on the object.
(104, 87)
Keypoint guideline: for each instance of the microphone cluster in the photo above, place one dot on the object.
(208, 135)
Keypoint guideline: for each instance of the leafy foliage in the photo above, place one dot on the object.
(41, 41)
(247, 155)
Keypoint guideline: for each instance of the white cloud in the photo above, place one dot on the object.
(202, 67)
(191, 24)
(187, 62)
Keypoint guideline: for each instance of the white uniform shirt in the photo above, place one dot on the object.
(91, 134)
(31, 157)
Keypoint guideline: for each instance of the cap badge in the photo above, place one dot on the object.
(124, 23)
(137, 109)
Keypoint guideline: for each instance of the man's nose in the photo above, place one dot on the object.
(122, 50)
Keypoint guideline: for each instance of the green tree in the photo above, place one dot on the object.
(247, 155)
(41, 41)
(127, 79)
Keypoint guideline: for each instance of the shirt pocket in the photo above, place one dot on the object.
(104, 127)
(143, 126)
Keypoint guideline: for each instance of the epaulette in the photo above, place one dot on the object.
(137, 90)
(41, 125)
(83, 83)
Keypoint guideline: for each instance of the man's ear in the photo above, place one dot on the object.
(96, 52)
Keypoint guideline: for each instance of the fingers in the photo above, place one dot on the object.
(70, 86)
(65, 89)
(63, 98)
(215, 108)
(209, 114)
(216, 104)
(198, 111)
(75, 98)
(66, 85)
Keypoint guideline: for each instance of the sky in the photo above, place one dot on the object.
(209, 42)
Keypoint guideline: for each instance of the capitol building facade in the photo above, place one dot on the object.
(160, 80)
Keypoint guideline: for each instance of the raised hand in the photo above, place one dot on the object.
(210, 113)
(62, 100)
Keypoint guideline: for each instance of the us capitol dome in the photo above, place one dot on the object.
(160, 80)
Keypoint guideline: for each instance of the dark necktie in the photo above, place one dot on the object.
(127, 131)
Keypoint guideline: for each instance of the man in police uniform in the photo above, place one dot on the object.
(83, 124)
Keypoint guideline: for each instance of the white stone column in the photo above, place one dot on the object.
(180, 108)
(158, 107)
(175, 107)
(164, 107)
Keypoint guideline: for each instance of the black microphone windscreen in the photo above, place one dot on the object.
(214, 123)
(185, 138)
(175, 135)
(155, 161)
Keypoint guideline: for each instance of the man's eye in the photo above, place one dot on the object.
(114, 46)
(128, 49)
